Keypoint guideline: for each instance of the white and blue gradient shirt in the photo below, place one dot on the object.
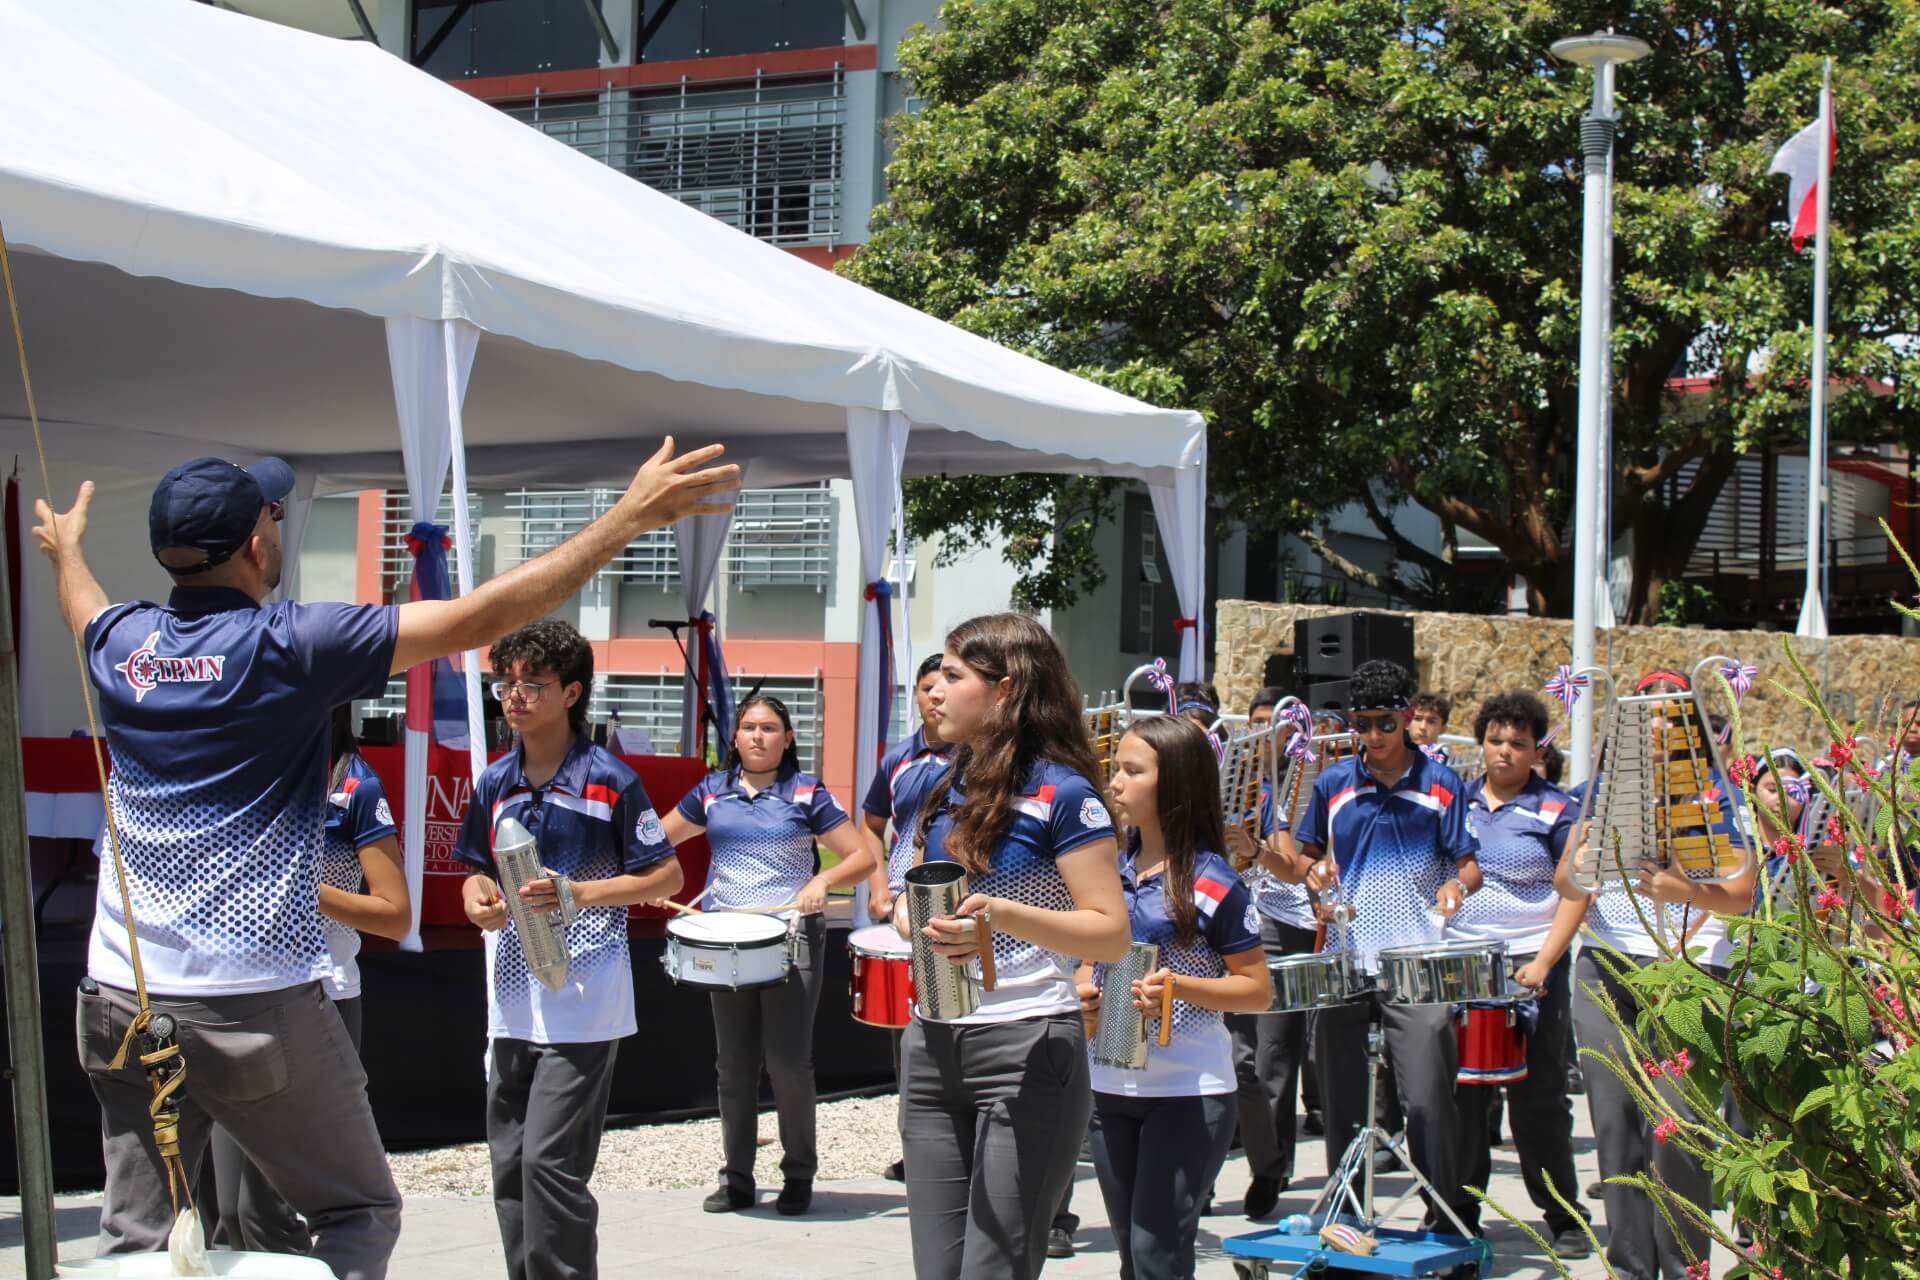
(1199, 1058)
(1290, 904)
(357, 815)
(907, 773)
(1395, 846)
(1057, 812)
(591, 821)
(1520, 847)
(216, 711)
(762, 843)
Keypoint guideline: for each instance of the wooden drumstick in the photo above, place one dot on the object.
(983, 942)
(1166, 1011)
(681, 907)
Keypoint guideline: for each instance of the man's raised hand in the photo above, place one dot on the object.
(66, 530)
(667, 487)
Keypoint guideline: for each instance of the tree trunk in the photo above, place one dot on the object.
(1665, 534)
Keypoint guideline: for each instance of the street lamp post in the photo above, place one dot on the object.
(1600, 53)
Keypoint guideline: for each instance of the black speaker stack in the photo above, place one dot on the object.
(1327, 649)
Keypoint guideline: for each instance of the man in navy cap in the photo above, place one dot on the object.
(216, 708)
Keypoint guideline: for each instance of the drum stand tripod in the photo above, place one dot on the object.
(1357, 1161)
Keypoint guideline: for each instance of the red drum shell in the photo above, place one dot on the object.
(882, 983)
(1493, 1046)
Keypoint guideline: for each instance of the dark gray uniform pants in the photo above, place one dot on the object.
(1269, 1059)
(991, 1118)
(1539, 1112)
(278, 1072)
(1425, 1054)
(239, 1209)
(1640, 1245)
(771, 1026)
(1156, 1158)
(546, 1111)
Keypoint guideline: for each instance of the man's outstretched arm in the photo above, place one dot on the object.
(61, 537)
(664, 490)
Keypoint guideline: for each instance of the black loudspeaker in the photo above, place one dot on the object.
(1283, 673)
(1328, 695)
(1330, 648)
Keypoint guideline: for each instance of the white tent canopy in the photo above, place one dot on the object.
(214, 215)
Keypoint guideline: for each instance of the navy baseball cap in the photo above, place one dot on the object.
(211, 505)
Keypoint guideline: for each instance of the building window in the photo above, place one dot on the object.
(460, 39)
(396, 562)
(548, 517)
(674, 29)
(782, 538)
(652, 702)
(1149, 576)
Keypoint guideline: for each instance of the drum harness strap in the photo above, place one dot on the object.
(165, 1065)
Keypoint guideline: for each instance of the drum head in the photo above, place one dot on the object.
(879, 940)
(736, 927)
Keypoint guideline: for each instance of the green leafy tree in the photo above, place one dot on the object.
(1349, 233)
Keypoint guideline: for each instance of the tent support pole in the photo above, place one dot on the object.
(360, 17)
(28, 1070)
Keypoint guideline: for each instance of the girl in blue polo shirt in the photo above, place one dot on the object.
(994, 1104)
(762, 817)
(1161, 1134)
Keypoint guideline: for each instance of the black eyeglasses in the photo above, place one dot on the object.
(1368, 724)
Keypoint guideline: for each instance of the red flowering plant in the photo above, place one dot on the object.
(1809, 1031)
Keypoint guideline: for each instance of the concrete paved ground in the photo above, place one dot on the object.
(858, 1229)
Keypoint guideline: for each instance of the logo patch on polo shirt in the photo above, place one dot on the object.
(1093, 814)
(382, 813)
(649, 828)
(145, 669)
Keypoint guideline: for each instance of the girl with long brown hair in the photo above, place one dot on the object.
(994, 1104)
(1160, 1134)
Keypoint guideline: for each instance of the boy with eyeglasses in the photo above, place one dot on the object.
(1388, 830)
(550, 1054)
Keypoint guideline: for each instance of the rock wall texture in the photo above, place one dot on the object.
(1467, 657)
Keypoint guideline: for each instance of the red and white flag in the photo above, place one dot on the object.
(1799, 159)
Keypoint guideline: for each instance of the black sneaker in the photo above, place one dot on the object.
(1572, 1243)
(1059, 1243)
(896, 1172)
(1385, 1161)
(1263, 1194)
(795, 1198)
(1596, 1190)
(728, 1199)
(1315, 1124)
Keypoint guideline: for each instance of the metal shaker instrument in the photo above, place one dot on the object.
(1120, 1038)
(943, 990)
(543, 934)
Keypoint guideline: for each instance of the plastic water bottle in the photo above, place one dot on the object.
(1297, 1224)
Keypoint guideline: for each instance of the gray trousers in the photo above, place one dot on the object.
(1269, 1054)
(1421, 1044)
(276, 1070)
(991, 1118)
(1640, 1245)
(1156, 1158)
(239, 1209)
(1539, 1112)
(546, 1111)
(770, 1026)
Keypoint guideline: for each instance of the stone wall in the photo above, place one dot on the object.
(1469, 656)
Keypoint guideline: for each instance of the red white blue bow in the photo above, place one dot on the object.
(1300, 745)
(1740, 677)
(1566, 687)
(1159, 678)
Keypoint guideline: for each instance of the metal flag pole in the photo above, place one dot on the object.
(33, 1147)
(1598, 52)
(1813, 608)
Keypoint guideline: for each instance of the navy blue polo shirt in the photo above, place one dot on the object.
(1520, 847)
(1395, 846)
(591, 821)
(762, 843)
(908, 771)
(1056, 811)
(216, 711)
(357, 815)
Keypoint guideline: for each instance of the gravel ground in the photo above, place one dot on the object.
(858, 1138)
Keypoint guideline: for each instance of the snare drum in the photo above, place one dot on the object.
(1493, 1045)
(1312, 981)
(1444, 973)
(882, 976)
(728, 951)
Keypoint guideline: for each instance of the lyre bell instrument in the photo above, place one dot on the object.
(1464, 756)
(1296, 783)
(1248, 770)
(1107, 719)
(1653, 772)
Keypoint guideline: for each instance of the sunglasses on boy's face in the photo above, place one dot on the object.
(1376, 724)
